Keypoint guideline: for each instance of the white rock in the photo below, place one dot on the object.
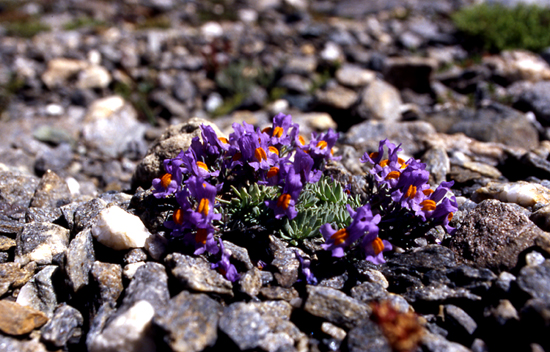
(129, 332)
(130, 270)
(519, 65)
(94, 77)
(118, 229)
(212, 30)
(523, 193)
(213, 102)
(54, 110)
(332, 52)
(59, 70)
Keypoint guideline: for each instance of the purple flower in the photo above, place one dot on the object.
(303, 165)
(215, 146)
(257, 152)
(279, 133)
(284, 205)
(170, 182)
(203, 240)
(196, 167)
(320, 146)
(363, 223)
(224, 267)
(374, 250)
(306, 270)
(181, 217)
(412, 182)
(205, 194)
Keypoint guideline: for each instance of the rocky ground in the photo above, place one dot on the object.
(102, 91)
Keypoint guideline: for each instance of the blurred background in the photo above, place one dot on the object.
(86, 86)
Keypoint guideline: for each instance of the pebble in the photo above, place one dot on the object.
(119, 230)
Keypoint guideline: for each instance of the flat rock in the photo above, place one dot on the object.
(335, 306)
(195, 273)
(191, 321)
(492, 236)
(19, 320)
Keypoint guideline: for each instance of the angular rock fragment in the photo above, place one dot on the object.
(195, 273)
(17, 319)
(118, 229)
(79, 260)
(41, 242)
(64, 324)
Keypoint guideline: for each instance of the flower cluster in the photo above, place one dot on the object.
(277, 156)
(279, 159)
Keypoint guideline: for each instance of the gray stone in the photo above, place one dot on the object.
(277, 292)
(43, 215)
(284, 259)
(437, 164)
(335, 306)
(79, 259)
(190, 321)
(459, 320)
(41, 242)
(413, 135)
(244, 325)
(437, 343)
(368, 292)
(108, 278)
(17, 190)
(426, 258)
(65, 323)
(295, 83)
(535, 281)
(85, 214)
(301, 65)
(337, 97)
(135, 255)
(493, 235)
(367, 337)
(150, 283)
(354, 76)
(169, 145)
(51, 192)
(195, 273)
(11, 344)
(439, 293)
(251, 282)
(129, 331)
(56, 159)
(498, 123)
(184, 89)
(380, 101)
(537, 99)
(39, 293)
